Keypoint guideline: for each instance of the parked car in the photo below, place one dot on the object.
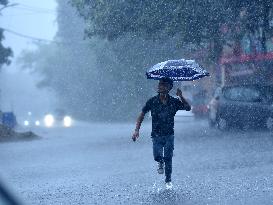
(242, 106)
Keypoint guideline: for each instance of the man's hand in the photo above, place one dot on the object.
(135, 136)
(179, 92)
(187, 106)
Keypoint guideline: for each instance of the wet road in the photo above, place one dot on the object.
(99, 164)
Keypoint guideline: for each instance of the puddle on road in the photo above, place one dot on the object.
(158, 194)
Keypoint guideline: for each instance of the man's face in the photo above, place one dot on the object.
(163, 87)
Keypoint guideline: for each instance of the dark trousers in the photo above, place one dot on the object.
(163, 147)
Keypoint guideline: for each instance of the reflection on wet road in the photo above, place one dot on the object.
(99, 164)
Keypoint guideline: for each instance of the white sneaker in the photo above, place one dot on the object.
(169, 185)
(160, 168)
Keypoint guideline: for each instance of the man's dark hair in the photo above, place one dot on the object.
(167, 80)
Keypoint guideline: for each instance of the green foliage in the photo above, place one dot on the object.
(195, 21)
(103, 77)
(5, 53)
(95, 78)
(4, 2)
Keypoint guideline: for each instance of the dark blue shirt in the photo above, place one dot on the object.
(163, 114)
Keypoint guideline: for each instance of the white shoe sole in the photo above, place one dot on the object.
(169, 185)
(160, 171)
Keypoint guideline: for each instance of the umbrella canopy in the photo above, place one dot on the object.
(177, 70)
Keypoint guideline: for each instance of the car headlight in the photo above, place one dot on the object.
(26, 123)
(37, 123)
(67, 121)
(49, 120)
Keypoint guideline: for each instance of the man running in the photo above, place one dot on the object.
(163, 108)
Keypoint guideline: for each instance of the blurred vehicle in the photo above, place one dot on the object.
(184, 116)
(184, 113)
(31, 121)
(199, 104)
(58, 118)
(8, 119)
(213, 106)
(242, 106)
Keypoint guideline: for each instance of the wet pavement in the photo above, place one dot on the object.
(99, 164)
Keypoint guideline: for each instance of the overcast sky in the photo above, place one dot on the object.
(32, 18)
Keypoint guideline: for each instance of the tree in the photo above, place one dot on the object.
(103, 76)
(95, 78)
(255, 18)
(5, 53)
(4, 2)
(195, 21)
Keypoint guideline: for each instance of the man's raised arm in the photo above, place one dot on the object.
(183, 100)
